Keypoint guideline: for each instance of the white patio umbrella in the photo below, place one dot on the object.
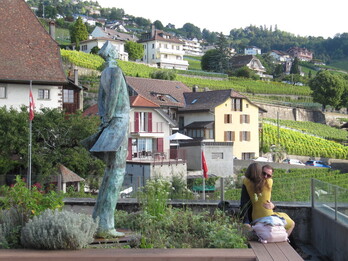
(179, 136)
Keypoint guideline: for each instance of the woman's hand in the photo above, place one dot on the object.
(268, 205)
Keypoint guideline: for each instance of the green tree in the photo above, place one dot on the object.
(116, 14)
(55, 139)
(78, 32)
(223, 54)
(209, 60)
(95, 50)
(327, 89)
(278, 70)
(192, 31)
(158, 24)
(295, 69)
(135, 50)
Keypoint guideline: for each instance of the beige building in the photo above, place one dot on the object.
(222, 116)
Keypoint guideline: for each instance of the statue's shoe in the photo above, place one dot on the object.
(112, 233)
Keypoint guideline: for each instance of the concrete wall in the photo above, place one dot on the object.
(138, 173)
(290, 113)
(219, 166)
(328, 236)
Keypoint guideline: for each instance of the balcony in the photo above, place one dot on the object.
(170, 156)
(170, 51)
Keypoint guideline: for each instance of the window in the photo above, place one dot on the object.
(244, 118)
(68, 96)
(228, 118)
(244, 136)
(2, 91)
(236, 104)
(229, 136)
(143, 122)
(217, 155)
(166, 46)
(153, 46)
(248, 155)
(44, 94)
(84, 47)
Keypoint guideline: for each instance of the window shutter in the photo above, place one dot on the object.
(240, 136)
(129, 156)
(233, 136)
(160, 145)
(136, 121)
(225, 118)
(225, 136)
(248, 135)
(248, 119)
(241, 118)
(149, 123)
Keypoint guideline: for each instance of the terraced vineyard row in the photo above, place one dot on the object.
(318, 129)
(295, 185)
(297, 143)
(140, 70)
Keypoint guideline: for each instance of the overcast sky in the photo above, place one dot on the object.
(300, 17)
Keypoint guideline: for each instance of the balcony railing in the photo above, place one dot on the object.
(155, 157)
(330, 199)
(157, 127)
(170, 51)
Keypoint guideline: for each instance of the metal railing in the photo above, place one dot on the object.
(330, 199)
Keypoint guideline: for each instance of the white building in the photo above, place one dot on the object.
(87, 45)
(252, 50)
(192, 47)
(163, 49)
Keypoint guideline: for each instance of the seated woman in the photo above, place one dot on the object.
(257, 188)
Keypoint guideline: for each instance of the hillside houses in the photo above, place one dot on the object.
(250, 61)
(30, 55)
(163, 50)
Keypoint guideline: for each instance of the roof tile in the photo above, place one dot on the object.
(27, 51)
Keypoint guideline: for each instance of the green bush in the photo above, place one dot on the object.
(163, 75)
(154, 196)
(29, 202)
(10, 227)
(58, 230)
(182, 228)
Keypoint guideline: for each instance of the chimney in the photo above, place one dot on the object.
(76, 76)
(195, 88)
(153, 31)
(52, 29)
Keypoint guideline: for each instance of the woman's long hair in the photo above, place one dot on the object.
(254, 174)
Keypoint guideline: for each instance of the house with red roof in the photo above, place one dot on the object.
(163, 50)
(29, 55)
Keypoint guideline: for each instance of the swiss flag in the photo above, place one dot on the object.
(204, 166)
(31, 106)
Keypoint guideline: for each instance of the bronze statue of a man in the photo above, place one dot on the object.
(110, 143)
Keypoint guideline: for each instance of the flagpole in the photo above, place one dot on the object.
(30, 139)
(203, 173)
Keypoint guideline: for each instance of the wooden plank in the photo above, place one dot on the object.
(290, 253)
(275, 252)
(260, 251)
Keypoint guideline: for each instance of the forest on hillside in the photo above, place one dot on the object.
(267, 38)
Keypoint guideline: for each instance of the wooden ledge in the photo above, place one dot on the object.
(281, 251)
(195, 254)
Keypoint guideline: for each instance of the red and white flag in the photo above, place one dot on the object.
(204, 166)
(31, 105)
